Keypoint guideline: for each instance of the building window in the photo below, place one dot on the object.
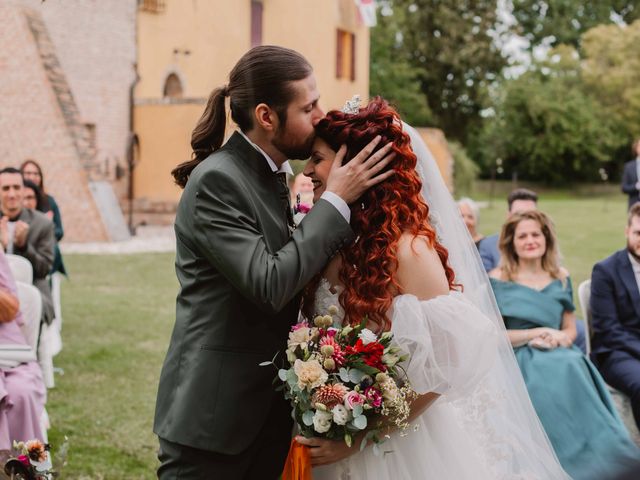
(172, 87)
(345, 55)
(153, 6)
(256, 23)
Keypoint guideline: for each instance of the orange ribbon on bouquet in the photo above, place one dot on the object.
(298, 464)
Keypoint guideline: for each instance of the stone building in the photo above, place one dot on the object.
(67, 70)
(186, 49)
(105, 94)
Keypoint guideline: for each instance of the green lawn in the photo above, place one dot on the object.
(118, 315)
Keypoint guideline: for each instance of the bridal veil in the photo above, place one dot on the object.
(498, 411)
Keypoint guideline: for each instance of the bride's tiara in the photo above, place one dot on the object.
(351, 107)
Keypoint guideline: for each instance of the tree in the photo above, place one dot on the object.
(393, 77)
(547, 126)
(451, 45)
(564, 21)
(611, 71)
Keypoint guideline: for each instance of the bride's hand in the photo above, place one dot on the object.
(323, 451)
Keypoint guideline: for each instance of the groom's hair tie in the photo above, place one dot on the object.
(225, 90)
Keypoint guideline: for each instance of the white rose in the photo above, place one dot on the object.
(367, 336)
(299, 337)
(322, 421)
(340, 415)
(310, 374)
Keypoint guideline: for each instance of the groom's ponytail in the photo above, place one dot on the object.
(262, 75)
(207, 137)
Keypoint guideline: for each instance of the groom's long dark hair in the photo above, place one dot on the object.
(263, 75)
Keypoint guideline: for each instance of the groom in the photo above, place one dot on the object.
(241, 269)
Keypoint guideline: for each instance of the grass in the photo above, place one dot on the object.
(118, 314)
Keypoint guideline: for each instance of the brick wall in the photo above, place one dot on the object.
(95, 44)
(32, 126)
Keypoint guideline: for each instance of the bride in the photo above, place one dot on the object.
(414, 270)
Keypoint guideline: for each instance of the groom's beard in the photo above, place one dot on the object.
(300, 150)
(634, 250)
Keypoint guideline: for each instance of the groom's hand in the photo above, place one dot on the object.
(323, 451)
(350, 181)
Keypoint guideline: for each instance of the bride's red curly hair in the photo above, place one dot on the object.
(379, 217)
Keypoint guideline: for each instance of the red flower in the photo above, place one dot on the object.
(25, 460)
(374, 397)
(371, 353)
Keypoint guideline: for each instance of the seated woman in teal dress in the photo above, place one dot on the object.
(534, 295)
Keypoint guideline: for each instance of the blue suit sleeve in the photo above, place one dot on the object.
(606, 325)
(488, 250)
(629, 179)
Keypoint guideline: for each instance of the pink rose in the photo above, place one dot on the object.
(374, 397)
(353, 398)
(298, 326)
(25, 460)
(303, 208)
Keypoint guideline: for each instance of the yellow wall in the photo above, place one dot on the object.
(217, 33)
(164, 133)
(310, 28)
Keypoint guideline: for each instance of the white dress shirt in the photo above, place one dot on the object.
(635, 265)
(330, 197)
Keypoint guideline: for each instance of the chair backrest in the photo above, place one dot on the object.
(20, 268)
(31, 308)
(584, 295)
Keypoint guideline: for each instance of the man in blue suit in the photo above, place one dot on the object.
(615, 307)
(631, 176)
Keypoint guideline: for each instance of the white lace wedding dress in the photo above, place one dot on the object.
(452, 346)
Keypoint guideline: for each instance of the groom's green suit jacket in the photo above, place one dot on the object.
(240, 275)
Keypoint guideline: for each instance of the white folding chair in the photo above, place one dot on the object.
(20, 268)
(31, 307)
(55, 295)
(49, 340)
(54, 332)
(620, 400)
(584, 292)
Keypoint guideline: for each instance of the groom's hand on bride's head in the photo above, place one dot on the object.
(323, 451)
(365, 170)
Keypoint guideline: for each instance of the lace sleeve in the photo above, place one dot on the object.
(451, 344)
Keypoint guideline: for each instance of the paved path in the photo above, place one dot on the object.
(147, 239)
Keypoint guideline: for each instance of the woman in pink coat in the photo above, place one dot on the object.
(22, 390)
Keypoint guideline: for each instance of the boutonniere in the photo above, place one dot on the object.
(300, 210)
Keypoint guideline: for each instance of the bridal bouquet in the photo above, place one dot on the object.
(33, 461)
(342, 380)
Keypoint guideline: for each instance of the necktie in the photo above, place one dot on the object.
(285, 200)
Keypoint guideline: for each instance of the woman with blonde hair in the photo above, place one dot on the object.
(470, 212)
(534, 294)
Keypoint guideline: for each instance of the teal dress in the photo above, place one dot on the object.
(568, 393)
